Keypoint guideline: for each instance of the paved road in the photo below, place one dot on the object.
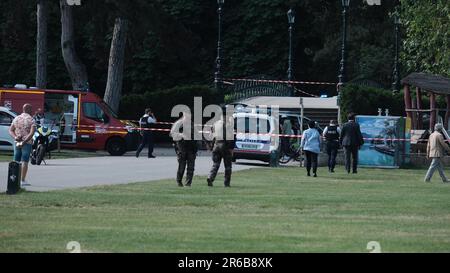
(107, 170)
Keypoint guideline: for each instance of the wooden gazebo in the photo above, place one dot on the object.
(426, 84)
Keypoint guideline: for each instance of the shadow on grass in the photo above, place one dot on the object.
(252, 164)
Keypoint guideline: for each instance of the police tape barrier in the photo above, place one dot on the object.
(167, 123)
(261, 134)
(279, 81)
(158, 122)
(306, 93)
(248, 134)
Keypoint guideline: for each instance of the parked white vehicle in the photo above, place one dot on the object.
(6, 118)
(257, 133)
(253, 139)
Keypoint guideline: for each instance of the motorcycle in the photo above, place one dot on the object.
(45, 140)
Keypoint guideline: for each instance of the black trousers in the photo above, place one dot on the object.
(221, 151)
(147, 139)
(186, 158)
(351, 158)
(285, 145)
(311, 161)
(332, 150)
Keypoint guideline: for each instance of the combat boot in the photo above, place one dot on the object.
(210, 182)
(188, 181)
(227, 177)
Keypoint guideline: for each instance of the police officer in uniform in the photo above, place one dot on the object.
(331, 135)
(147, 138)
(224, 141)
(182, 133)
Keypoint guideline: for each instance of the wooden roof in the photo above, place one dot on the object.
(428, 82)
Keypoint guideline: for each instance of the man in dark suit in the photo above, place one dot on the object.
(352, 140)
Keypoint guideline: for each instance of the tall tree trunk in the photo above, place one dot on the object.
(75, 67)
(113, 90)
(41, 44)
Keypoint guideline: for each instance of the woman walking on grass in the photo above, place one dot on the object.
(310, 144)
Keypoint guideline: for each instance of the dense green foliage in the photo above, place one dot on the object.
(162, 101)
(364, 100)
(427, 41)
(173, 42)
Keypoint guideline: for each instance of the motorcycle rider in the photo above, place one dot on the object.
(38, 117)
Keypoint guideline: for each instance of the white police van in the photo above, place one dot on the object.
(257, 132)
(254, 136)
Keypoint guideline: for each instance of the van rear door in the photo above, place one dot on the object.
(71, 120)
(253, 133)
(61, 113)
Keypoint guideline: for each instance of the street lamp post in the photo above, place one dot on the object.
(218, 73)
(342, 76)
(291, 21)
(396, 73)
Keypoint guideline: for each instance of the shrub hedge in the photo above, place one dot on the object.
(132, 106)
(364, 100)
(161, 102)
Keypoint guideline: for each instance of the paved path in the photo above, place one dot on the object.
(107, 170)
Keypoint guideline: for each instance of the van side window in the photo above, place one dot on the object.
(252, 125)
(5, 119)
(91, 110)
(305, 124)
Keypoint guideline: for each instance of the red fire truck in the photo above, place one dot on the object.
(83, 119)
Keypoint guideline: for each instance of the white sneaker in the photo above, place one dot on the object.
(25, 184)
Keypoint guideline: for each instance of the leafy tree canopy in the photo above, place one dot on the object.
(173, 42)
(427, 42)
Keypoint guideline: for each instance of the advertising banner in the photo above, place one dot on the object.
(386, 141)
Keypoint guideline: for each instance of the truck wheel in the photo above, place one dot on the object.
(116, 147)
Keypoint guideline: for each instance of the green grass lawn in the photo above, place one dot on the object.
(266, 210)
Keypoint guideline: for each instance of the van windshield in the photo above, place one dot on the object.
(13, 112)
(109, 110)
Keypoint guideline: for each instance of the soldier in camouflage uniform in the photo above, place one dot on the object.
(224, 141)
(185, 147)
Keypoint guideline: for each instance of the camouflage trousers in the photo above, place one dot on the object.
(185, 158)
(221, 151)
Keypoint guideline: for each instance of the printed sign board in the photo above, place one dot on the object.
(386, 141)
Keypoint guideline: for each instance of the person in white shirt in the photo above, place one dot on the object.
(147, 137)
(311, 141)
